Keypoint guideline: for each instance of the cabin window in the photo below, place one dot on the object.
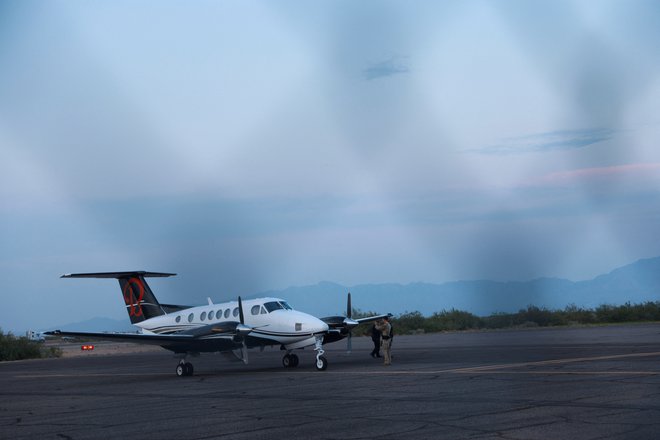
(298, 326)
(227, 313)
(178, 318)
(202, 316)
(255, 310)
(218, 314)
(235, 313)
(190, 317)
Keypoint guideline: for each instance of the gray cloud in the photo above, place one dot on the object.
(561, 140)
(395, 65)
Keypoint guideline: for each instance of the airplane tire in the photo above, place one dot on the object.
(188, 367)
(287, 361)
(294, 360)
(180, 370)
(321, 363)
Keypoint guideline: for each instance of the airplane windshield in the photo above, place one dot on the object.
(285, 305)
(277, 305)
(272, 306)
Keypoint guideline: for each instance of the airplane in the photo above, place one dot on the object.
(225, 327)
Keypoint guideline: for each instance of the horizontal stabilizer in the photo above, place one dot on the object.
(117, 274)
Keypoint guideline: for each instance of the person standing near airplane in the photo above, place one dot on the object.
(385, 328)
(375, 337)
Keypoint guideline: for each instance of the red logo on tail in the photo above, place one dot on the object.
(134, 301)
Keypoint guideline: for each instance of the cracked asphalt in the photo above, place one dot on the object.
(562, 383)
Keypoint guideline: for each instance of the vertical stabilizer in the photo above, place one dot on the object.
(141, 303)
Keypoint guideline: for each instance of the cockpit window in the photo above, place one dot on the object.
(277, 305)
(272, 306)
(285, 305)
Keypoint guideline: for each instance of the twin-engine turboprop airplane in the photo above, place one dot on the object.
(224, 327)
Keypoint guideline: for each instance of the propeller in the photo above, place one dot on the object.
(348, 321)
(238, 329)
(349, 309)
(241, 328)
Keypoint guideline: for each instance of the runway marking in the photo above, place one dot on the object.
(492, 369)
(46, 376)
(554, 362)
(577, 373)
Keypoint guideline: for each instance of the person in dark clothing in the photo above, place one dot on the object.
(375, 337)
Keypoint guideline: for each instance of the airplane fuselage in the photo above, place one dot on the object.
(272, 322)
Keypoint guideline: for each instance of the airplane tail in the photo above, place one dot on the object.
(141, 303)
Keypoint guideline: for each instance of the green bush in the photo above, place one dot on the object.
(14, 348)
(532, 316)
(454, 320)
(410, 322)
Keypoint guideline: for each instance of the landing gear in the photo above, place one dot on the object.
(321, 361)
(290, 360)
(184, 369)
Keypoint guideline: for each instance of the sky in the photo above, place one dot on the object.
(257, 145)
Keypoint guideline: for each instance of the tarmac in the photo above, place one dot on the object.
(557, 383)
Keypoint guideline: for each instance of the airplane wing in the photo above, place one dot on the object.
(126, 337)
(373, 318)
(209, 338)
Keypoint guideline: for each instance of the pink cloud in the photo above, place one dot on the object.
(592, 175)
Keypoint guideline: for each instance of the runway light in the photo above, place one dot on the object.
(87, 347)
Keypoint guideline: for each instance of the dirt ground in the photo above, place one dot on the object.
(101, 348)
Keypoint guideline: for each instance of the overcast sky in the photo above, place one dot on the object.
(257, 145)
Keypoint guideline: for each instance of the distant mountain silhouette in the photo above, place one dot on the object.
(635, 283)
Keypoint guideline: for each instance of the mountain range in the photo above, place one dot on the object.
(635, 283)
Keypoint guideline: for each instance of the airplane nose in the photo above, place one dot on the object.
(317, 325)
(323, 326)
(311, 324)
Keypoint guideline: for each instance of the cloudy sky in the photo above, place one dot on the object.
(258, 145)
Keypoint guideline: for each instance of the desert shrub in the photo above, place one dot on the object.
(13, 348)
(453, 320)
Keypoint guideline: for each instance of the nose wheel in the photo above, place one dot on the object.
(321, 361)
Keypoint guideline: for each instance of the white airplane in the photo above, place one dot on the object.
(225, 327)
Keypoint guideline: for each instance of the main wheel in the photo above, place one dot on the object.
(180, 370)
(188, 369)
(287, 361)
(294, 360)
(321, 363)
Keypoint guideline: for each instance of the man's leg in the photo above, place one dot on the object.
(386, 352)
